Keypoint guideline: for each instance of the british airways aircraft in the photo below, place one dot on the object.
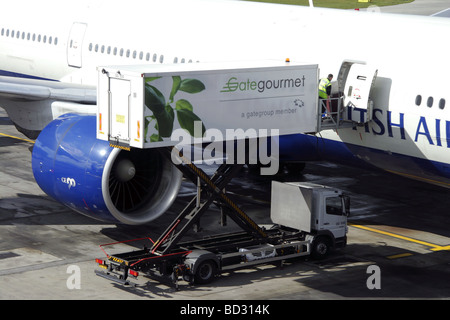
(49, 51)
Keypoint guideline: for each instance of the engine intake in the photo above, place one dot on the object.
(87, 175)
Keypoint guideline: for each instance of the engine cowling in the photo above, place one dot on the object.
(87, 175)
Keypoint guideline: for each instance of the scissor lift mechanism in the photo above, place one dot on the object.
(164, 250)
(166, 257)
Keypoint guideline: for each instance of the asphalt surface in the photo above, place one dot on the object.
(398, 225)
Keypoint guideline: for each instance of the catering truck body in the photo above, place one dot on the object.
(144, 106)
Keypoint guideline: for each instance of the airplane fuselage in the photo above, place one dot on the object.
(410, 130)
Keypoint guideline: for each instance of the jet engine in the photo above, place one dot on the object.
(87, 175)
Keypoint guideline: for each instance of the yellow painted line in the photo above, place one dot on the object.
(17, 138)
(433, 247)
(441, 248)
(401, 255)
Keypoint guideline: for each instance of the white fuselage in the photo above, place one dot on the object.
(66, 41)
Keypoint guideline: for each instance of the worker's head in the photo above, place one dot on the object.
(330, 77)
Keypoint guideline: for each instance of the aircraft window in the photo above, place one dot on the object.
(12, 33)
(147, 56)
(56, 41)
(115, 51)
(418, 100)
(183, 60)
(161, 58)
(96, 48)
(34, 37)
(23, 35)
(103, 49)
(50, 40)
(128, 53)
(121, 52)
(45, 39)
(90, 46)
(155, 57)
(109, 50)
(430, 102)
(175, 60)
(141, 55)
(28, 36)
(3, 31)
(442, 104)
(134, 54)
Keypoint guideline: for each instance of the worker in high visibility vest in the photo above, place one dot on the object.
(324, 92)
(325, 87)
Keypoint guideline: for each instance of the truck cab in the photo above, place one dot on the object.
(319, 211)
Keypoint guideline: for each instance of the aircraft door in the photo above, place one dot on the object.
(74, 45)
(357, 81)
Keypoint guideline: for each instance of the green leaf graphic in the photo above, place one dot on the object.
(155, 101)
(151, 79)
(192, 86)
(184, 105)
(155, 138)
(186, 119)
(175, 87)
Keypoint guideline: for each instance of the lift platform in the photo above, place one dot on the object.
(167, 250)
(199, 261)
(153, 106)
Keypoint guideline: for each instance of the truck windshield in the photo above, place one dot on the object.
(334, 206)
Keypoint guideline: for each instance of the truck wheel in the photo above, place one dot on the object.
(321, 248)
(205, 272)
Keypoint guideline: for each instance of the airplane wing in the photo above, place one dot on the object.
(444, 13)
(32, 103)
(13, 88)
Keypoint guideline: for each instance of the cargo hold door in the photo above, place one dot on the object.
(357, 80)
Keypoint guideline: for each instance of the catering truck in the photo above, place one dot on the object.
(308, 220)
(167, 107)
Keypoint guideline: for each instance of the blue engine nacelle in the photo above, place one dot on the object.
(87, 175)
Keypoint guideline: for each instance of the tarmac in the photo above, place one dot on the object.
(398, 239)
(397, 226)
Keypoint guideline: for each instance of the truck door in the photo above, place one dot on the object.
(119, 93)
(75, 44)
(356, 81)
(334, 218)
